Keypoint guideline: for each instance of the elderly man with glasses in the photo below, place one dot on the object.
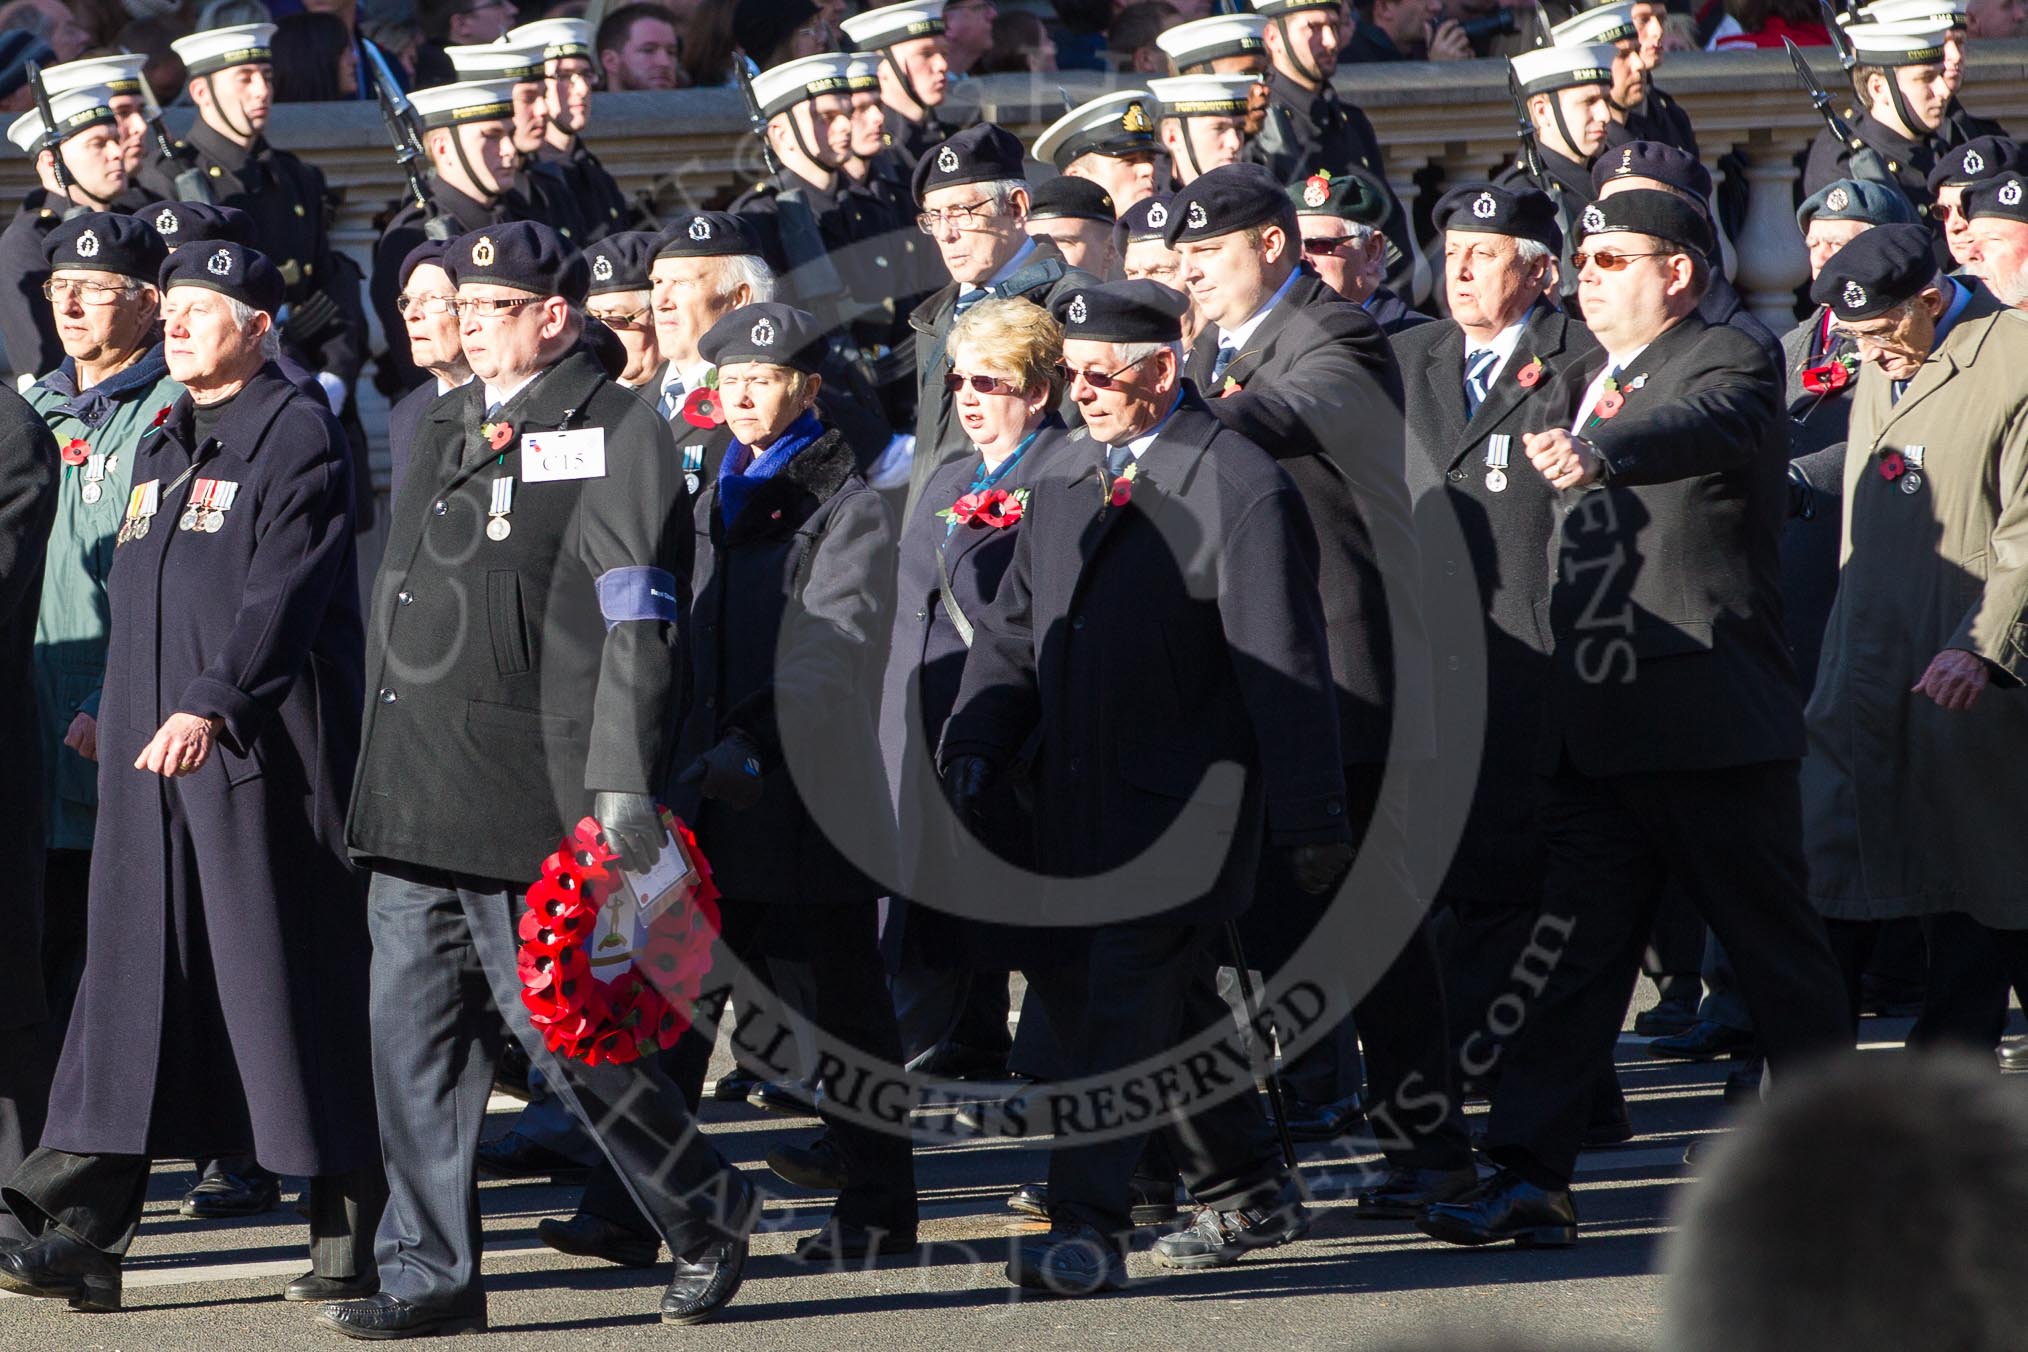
(1341, 217)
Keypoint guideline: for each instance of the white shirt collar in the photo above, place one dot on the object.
(1237, 337)
(497, 395)
(1613, 362)
(1504, 342)
(446, 386)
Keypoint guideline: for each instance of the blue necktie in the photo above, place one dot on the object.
(969, 297)
(1478, 374)
(1226, 353)
(672, 400)
(1117, 459)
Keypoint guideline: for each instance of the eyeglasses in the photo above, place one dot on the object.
(490, 307)
(623, 319)
(957, 380)
(1608, 261)
(438, 304)
(1326, 246)
(91, 293)
(961, 218)
(1100, 380)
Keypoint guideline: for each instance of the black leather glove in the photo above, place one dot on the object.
(965, 782)
(1317, 868)
(729, 772)
(631, 826)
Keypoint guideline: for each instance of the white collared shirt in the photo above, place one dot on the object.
(495, 396)
(1592, 392)
(1236, 337)
(1504, 342)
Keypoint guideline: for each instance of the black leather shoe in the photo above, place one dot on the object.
(786, 1097)
(703, 1281)
(1321, 1121)
(1403, 1193)
(57, 1267)
(1665, 1019)
(735, 1085)
(1702, 1041)
(844, 1242)
(515, 1156)
(310, 1286)
(585, 1236)
(2013, 1054)
(223, 1192)
(817, 1166)
(1152, 1201)
(383, 1317)
(955, 1061)
(991, 1117)
(1217, 1238)
(1073, 1259)
(1505, 1206)
(510, 1075)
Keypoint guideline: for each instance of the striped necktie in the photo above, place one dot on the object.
(1478, 375)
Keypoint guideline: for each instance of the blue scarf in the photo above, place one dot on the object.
(989, 478)
(94, 408)
(741, 472)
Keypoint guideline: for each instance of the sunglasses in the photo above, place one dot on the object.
(1099, 380)
(957, 380)
(1326, 246)
(1609, 261)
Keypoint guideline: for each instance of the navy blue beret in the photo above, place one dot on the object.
(620, 262)
(180, 223)
(983, 153)
(771, 332)
(104, 241)
(521, 255)
(1122, 312)
(1524, 214)
(230, 269)
(706, 234)
(1231, 197)
(1876, 271)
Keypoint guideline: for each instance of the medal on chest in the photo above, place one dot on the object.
(693, 462)
(210, 499)
(498, 527)
(1498, 447)
(1911, 482)
(143, 501)
(92, 485)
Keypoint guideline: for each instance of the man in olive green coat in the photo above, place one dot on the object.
(1918, 727)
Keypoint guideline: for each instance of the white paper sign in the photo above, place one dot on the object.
(548, 457)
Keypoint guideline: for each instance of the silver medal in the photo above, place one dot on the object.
(91, 493)
(213, 523)
(1911, 482)
(188, 521)
(692, 482)
(1496, 481)
(140, 527)
(498, 528)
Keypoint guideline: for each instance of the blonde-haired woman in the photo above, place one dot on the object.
(949, 983)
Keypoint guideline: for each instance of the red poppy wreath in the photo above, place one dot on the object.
(589, 1005)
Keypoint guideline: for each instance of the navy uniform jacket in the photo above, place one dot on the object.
(492, 661)
(260, 1044)
(602, 204)
(786, 637)
(906, 142)
(28, 488)
(1568, 185)
(404, 231)
(1133, 649)
(698, 449)
(1317, 386)
(1909, 162)
(1486, 573)
(1661, 118)
(1670, 652)
(542, 193)
(1392, 313)
(27, 325)
(289, 203)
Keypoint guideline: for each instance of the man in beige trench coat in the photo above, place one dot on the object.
(1918, 728)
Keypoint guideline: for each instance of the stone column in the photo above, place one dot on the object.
(1772, 259)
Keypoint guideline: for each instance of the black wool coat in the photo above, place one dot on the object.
(1131, 649)
(223, 1005)
(491, 662)
(787, 634)
(1670, 649)
(27, 326)
(1815, 420)
(28, 487)
(1317, 386)
(1486, 573)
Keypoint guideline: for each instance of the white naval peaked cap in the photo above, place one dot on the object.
(1118, 123)
(1935, 13)
(73, 111)
(218, 49)
(557, 38)
(892, 24)
(120, 74)
(1202, 95)
(1202, 40)
(502, 60)
(780, 88)
(862, 72)
(467, 101)
(1897, 44)
(1606, 23)
(1547, 69)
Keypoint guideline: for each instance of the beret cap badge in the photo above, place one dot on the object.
(1484, 207)
(602, 268)
(2010, 193)
(1317, 190)
(220, 264)
(482, 252)
(1196, 218)
(947, 160)
(1838, 199)
(1593, 218)
(166, 223)
(700, 229)
(88, 245)
(763, 334)
(1077, 312)
(1158, 216)
(1975, 163)
(1854, 295)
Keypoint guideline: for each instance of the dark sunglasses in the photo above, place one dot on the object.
(1325, 246)
(1098, 380)
(956, 380)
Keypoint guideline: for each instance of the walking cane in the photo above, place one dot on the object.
(1250, 998)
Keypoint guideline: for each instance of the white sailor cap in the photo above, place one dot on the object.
(1203, 95)
(782, 87)
(1118, 124)
(74, 111)
(1202, 41)
(216, 49)
(862, 73)
(1606, 23)
(1897, 44)
(119, 74)
(520, 62)
(1547, 69)
(1934, 13)
(467, 101)
(1275, 9)
(892, 24)
(558, 38)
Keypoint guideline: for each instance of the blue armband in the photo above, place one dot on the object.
(637, 594)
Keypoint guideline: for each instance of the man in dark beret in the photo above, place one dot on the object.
(181, 223)
(1076, 216)
(1675, 452)
(621, 298)
(1996, 230)
(973, 196)
(428, 305)
(1975, 162)
(546, 479)
(1202, 547)
(1930, 596)
(1342, 217)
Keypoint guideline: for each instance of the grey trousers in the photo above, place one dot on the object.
(444, 974)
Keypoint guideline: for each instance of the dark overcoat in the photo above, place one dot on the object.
(787, 633)
(27, 326)
(1485, 584)
(224, 997)
(1133, 650)
(501, 698)
(28, 480)
(1815, 420)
